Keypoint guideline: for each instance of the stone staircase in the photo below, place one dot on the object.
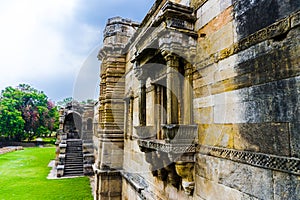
(74, 158)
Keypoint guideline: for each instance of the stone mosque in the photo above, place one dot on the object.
(200, 100)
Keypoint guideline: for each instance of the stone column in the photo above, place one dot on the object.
(127, 105)
(173, 85)
(158, 111)
(187, 96)
(142, 103)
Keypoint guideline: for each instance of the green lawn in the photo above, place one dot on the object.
(23, 175)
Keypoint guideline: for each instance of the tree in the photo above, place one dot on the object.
(29, 111)
(11, 121)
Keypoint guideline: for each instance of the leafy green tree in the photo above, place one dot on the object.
(11, 121)
(35, 114)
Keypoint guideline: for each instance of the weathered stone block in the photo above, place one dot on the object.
(205, 115)
(217, 134)
(295, 139)
(286, 186)
(250, 180)
(251, 16)
(229, 177)
(207, 189)
(270, 138)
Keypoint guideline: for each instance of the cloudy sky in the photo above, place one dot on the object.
(52, 44)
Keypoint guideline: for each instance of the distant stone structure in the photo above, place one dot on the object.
(75, 143)
(200, 101)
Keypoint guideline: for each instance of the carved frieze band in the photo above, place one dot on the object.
(167, 147)
(284, 164)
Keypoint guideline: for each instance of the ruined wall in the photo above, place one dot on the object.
(246, 97)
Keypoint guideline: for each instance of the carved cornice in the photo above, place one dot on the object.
(267, 161)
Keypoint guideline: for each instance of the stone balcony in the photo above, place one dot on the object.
(171, 159)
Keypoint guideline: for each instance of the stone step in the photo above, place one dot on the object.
(74, 159)
(74, 174)
(73, 163)
(74, 143)
(69, 160)
(73, 171)
(74, 155)
(71, 175)
(79, 154)
(74, 147)
(75, 151)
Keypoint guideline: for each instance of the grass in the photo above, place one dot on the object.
(23, 175)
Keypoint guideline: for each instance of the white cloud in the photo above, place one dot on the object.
(37, 42)
(45, 43)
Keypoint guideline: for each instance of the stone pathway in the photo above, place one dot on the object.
(10, 149)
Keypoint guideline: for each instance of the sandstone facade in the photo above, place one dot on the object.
(201, 101)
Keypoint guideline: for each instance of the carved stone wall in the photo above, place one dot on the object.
(246, 99)
(202, 101)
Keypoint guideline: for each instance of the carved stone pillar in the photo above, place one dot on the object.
(173, 84)
(142, 103)
(187, 96)
(158, 111)
(127, 107)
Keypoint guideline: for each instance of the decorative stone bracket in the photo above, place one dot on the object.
(173, 157)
